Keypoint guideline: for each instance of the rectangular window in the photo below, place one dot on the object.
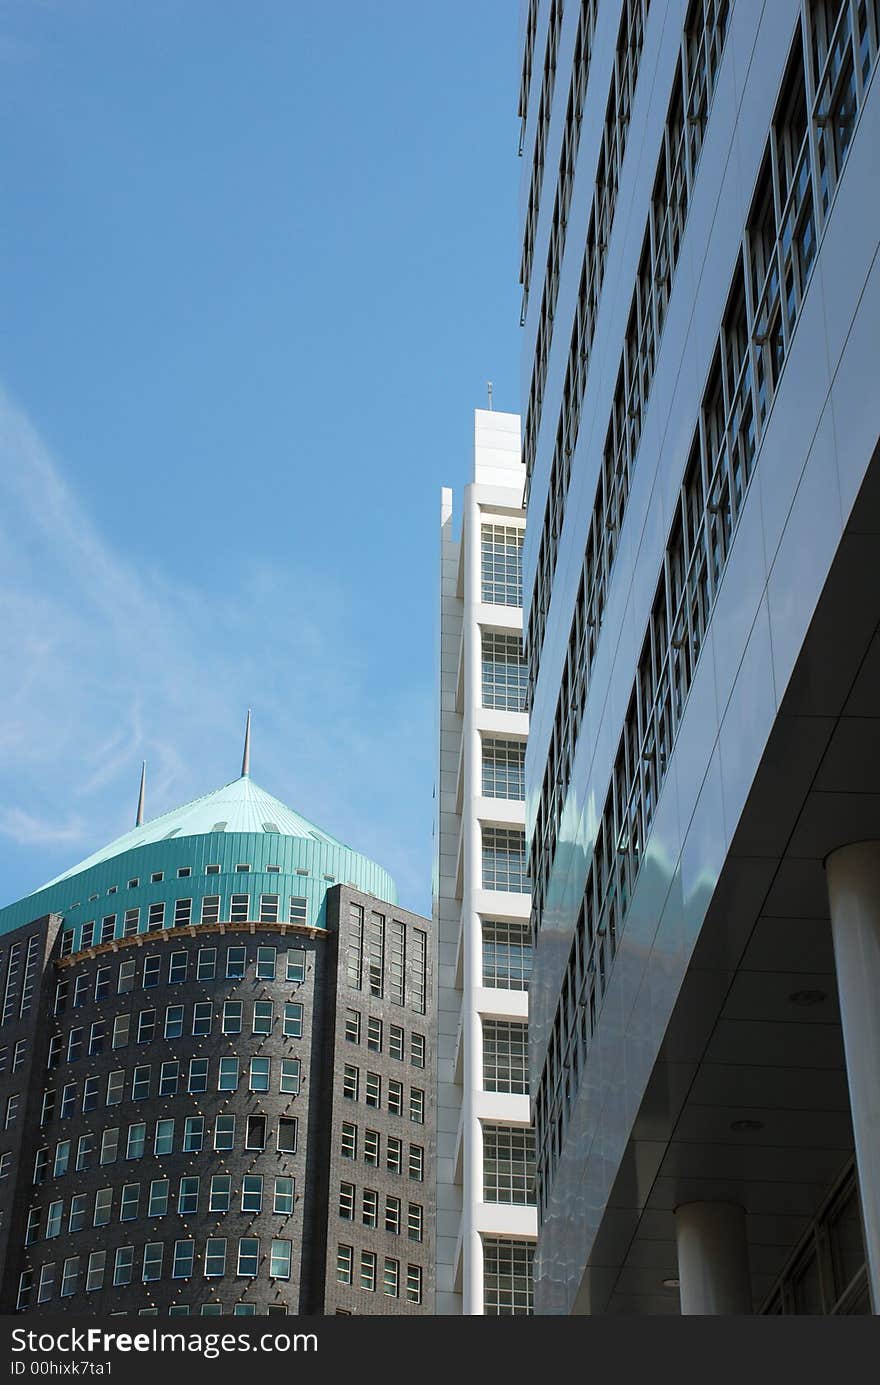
(206, 961)
(417, 1105)
(163, 1139)
(504, 672)
(74, 1044)
(131, 923)
(87, 936)
(248, 1257)
(290, 1076)
(413, 1284)
(184, 1259)
(103, 1207)
(419, 971)
(373, 1090)
(137, 1134)
(182, 913)
(77, 1218)
(61, 991)
(90, 1094)
(346, 1201)
(232, 1012)
(504, 860)
(224, 1132)
(68, 1100)
(395, 1097)
(128, 1207)
(41, 1164)
(268, 914)
(298, 909)
(157, 1205)
(178, 964)
(374, 1034)
(394, 1155)
(152, 1261)
(146, 1026)
(193, 1134)
(504, 768)
(239, 908)
(173, 1021)
(283, 1200)
(353, 1026)
(198, 1075)
(215, 1257)
(263, 1017)
(416, 1163)
(252, 1192)
(348, 1147)
(156, 916)
(110, 1145)
(392, 1215)
(279, 1260)
(95, 1271)
(391, 1278)
(81, 988)
(368, 1270)
(236, 961)
(505, 1056)
(344, 1260)
(53, 1222)
(507, 955)
(85, 1149)
(152, 968)
(70, 1276)
(210, 909)
(140, 1082)
(62, 1158)
(227, 1076)
(47, 1283)
(370, 1207)
(376, 953)
(121, 1029)
(354, 963)
(221, 1192)
(123, 1265)
(188, 1196)
(287, 1131)
(102, 983)
(415, 1221)
(350, 1082)
(501, 548)
(396, 961)
(293, 1019)
(507, 1277)
(255, 1132)
(296, 965)
(203, 1018)
(417, 1050)
(509, 1165)
(212, 869)
(372, 1146)
(395, 1042)
(259, 1075)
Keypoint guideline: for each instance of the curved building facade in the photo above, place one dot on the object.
(203, 1028)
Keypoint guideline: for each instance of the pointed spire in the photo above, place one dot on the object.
(139, 820)
(246, 757)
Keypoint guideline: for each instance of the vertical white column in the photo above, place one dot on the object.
(472, 1037)
(713, 1260)
(853, 874)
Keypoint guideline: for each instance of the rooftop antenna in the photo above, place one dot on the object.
(489, 392)
(139, 820)
(246, 757)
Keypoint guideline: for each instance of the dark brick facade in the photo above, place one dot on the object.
(110, 1045)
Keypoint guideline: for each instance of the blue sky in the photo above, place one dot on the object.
(257, 262)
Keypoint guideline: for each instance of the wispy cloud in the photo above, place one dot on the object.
(104, 665)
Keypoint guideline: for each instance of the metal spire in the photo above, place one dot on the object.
(139, 820)
(246, 757)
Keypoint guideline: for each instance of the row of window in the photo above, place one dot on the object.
(509, 1164)
(531, 31)
(156, 916)
(804, 157)
(372, 1093)
(369, 1270)
(144, 1027)
(20, 978)
(369, 1211)
(505, 1056)
(182, 966)
(170, 1078)
(371, 1151)
(501, 564)
(507, 955)
(387, 960)
(504, 768)
(214, 868)
(79, 1273)
(375, 1037)
(692, 91)
(503, 672)
(134, 1143)
(542, 129)
(161, 1198)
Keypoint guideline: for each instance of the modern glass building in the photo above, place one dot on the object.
(485, 1144)
(701, 292)
(217, 1076)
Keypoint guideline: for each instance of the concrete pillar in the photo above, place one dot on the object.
(713, 1260)
(853, 874)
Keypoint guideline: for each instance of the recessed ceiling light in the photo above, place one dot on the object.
(747, 1125)
(808, 997)
(671, 1283)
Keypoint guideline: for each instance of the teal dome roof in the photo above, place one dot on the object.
(241, 806)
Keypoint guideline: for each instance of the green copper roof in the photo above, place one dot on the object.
(241, 806)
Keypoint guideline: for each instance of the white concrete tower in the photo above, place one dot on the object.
(485, 1157)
